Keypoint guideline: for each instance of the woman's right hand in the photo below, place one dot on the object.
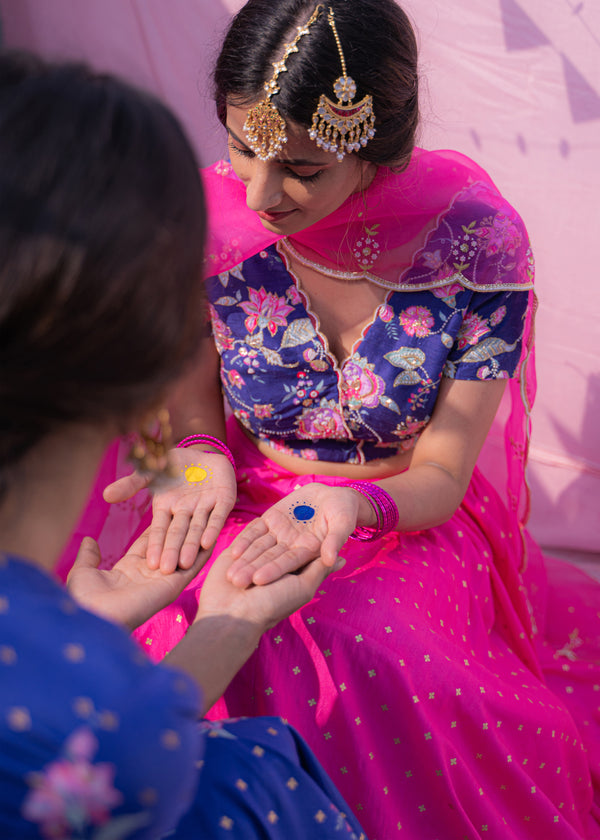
(231, 619)
(188, 511)
(263, 606)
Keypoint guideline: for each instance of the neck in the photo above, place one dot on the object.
(47, 492)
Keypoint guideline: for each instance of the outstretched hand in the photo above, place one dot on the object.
(261, 606)
(129, 593)
(231, 620)
(314, 521)
(189, 511)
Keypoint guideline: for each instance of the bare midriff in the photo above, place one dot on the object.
(380, 468)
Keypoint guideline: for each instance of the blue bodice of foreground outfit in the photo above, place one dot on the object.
(286, 387)
(91, 733)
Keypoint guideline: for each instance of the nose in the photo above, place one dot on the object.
(264, 189)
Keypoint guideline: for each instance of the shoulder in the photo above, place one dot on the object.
(55, 653)
(74, 688)
(476, 238)
(490, 248)
(448, 184)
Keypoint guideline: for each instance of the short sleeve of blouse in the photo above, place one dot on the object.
(484, 240)
(489, 341)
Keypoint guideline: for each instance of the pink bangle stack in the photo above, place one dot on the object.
(385, 509)
(209, 440)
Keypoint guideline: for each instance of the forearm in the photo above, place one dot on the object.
(433, 487)
(213, 651)
(426, 495)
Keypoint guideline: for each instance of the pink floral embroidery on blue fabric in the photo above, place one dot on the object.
(265, 310)
(73, 797)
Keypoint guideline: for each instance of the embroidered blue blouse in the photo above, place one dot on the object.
(285, 386)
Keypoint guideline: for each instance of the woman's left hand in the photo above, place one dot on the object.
(262, 607)
(313, 521)
(129, 593)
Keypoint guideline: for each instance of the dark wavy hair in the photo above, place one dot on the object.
(102, 225)
(380, 49)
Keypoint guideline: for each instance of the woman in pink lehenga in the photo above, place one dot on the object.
(372, 307)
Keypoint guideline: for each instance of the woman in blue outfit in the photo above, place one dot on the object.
(101, 235)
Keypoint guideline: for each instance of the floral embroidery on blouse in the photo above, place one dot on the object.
(324, 421)
(284, 385)
(500, 235)
(265, 311)
(360, 385)
(417, 320)
(72, 796)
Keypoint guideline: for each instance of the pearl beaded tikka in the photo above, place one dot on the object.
(340, 127)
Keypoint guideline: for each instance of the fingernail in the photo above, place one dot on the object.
(339, 564)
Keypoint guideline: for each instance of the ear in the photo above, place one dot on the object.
(368, 170)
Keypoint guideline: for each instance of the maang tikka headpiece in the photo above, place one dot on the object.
(339, 127)
(344, 126)
(264, 126)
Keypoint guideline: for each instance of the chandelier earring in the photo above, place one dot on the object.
(149, 453)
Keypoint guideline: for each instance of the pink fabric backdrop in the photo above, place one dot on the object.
(515, 84)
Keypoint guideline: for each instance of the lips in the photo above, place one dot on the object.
(274, 217)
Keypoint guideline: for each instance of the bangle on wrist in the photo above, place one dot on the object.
(384, 507)
(210, 441)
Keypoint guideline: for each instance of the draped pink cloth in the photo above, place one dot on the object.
(397, 211)
(417, 678)
(445, 683)
(446, 679)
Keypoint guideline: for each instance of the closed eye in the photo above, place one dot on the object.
(248, 153)
(306, 179)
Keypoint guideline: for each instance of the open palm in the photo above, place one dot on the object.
(189, 511)
(129, 593)
(314, 521)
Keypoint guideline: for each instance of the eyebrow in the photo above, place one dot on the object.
(286, 161)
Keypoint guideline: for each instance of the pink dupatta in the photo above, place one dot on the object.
(380, 234)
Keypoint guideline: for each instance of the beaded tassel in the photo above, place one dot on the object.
(344, 126)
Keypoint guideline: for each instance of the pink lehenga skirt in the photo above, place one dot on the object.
(446, 694)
